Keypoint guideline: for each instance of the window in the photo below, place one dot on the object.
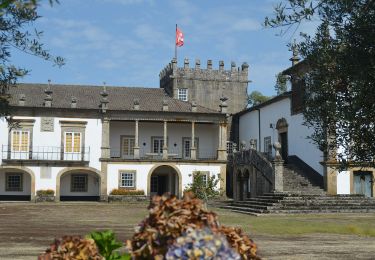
(267, 146)
(13, 182)
(20, 140)
(127, 146)
(127, 179)
(79, 183)
(72, 142)
(186, 146)
(157, 145)
(183, 94)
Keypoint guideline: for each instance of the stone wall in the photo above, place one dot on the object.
(207, 85)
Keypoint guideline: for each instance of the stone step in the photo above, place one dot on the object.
(322, 207)
(322, 211)
(247, 209)
(262, 203)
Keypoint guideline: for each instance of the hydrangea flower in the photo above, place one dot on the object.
(201, 244)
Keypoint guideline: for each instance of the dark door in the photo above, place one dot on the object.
(284, 145)
(162, 184)
(363, 183)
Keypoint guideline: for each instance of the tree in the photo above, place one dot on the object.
(15, 16)
(204, 188)
(281, 85)
(256, 98)
(340, 80)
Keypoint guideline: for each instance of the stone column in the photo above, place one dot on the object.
(105, 154)
(136, 141)
(165, 143)
(278, 169)
(222, 151)
(193, 149)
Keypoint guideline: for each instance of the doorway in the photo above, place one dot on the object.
(363, 181)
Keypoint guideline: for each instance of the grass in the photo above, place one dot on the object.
(345, 224)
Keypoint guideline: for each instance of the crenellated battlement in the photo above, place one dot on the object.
(206, 85)
(233, 73)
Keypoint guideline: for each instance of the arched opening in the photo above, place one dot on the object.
(240, 187)
(78, 185)
(282, 129)
(16, 184)
(164, 179)
(247, 184)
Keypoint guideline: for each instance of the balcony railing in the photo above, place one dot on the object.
(45, 153)
(202, 154)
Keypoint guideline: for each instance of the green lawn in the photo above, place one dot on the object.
(351, 224)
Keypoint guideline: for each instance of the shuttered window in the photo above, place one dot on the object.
(72, 142)
(20, 140)
(127, 146)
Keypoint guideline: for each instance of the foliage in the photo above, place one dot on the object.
(48, 192)
(169, 218)
(340, 79)
(107, 244)
(256, 98)
(127, 192)
(202, 189)
(72, 247)
(281, 83)
(201, 244)
(15, 16)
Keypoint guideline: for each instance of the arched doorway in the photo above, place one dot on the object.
(282, 129)
(16, 184)
(164, 179)
(78, 185)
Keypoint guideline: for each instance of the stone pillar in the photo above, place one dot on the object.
(136, 141)
(193, 149)
(330, 180)
(105, 154)
(222, 150)
(165, 143)
(105, 138)
(278, 169)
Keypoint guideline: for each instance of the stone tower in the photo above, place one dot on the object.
(206, 86)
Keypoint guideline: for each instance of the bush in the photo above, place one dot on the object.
(202, 189)
(107, 244)
(72, 247)
(170, 218)
(127, 192)
(48, 192)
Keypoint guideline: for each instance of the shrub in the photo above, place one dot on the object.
(127, 192)
(72, 247)
(107, 244)
(202, 189)
(169, 218)
(48, 192)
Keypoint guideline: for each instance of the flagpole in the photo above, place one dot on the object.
(175, 45)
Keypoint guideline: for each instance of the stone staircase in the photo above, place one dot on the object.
(297, 203)
(295, 182)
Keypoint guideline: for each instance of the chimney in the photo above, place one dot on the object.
(104, 100)
(223, 105)
(233, 66)
(165, 105)
(73, 104)
(48, 98)
(21, 100)
(245, 67)
(193, 106)
(136, 104)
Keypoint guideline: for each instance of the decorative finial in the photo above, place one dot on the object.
(294, 48)
(48, 98)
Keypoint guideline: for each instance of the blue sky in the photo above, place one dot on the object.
(128, 42)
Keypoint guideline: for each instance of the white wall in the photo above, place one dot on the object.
(142, 171)
(298, 144)
(208, 135)
(343, 182)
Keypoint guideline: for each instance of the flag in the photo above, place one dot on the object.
(179, 37)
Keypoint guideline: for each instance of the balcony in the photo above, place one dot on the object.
(45, 155)
(173, 154)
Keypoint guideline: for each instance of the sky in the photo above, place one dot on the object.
(128, 42)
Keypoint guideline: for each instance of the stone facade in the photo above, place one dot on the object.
(207, 86)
